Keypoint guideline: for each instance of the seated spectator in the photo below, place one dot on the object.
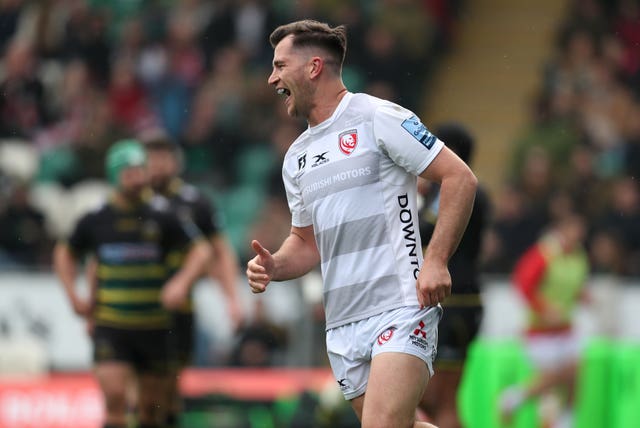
(23, 237)
(23, 104)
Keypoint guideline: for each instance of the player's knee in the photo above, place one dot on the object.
(115, 400)
(151, 412)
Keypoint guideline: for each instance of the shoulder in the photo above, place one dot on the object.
(295, 157)
(190, 193)
(370, 107)
(159, 204)
(387, 111)
(102, 209)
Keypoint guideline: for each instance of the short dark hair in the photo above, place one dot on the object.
(164, 144)
(316, 34)
(161, 145)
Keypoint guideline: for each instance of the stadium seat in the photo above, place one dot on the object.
(86, 196)
(254, 164)
(57, 165)
(53, 201)
(18, 159)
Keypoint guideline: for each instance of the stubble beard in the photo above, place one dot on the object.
(301, 105)
(132, 194)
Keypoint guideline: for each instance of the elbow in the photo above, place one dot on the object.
(467, 182)
(204, 251)
(471, 180)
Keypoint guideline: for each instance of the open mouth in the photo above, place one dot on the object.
(283, 91)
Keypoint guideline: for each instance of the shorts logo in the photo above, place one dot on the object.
(419, 336)
(347, 141)
(342, 384)
(419, 331)
(385, 336)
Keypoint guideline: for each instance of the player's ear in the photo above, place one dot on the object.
(316, 64)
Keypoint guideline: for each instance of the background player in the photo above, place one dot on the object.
(164, 165)
(130, 238)
(551, 276)
(463, 309)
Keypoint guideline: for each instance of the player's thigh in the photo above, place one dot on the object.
(396, 384)
(113, 378)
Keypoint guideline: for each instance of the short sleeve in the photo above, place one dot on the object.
(204, 217)
(402, 136)
(178, 232)
(300, 217)
(81, 239)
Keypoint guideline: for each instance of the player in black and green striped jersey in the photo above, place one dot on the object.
(130, 237)
(164, 163)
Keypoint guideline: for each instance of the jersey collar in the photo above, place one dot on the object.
(344, 102)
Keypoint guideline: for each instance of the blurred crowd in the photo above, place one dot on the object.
(582, 147)
(77, 75)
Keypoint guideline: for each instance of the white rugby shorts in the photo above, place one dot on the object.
(553, 350)
(351, 347)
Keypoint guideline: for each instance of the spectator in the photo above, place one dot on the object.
(23, 237)
(463, 310)
(514, 228)
(623, 217)
(23, 104)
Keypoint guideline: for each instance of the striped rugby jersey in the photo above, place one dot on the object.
(131, 246)
(353, 177)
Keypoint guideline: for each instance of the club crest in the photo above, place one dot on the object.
(348, 141)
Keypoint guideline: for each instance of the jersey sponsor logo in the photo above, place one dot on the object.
(409, 233)
(336, 178)
(129, 252)
(418, 131)
(386, 335)
(302, 161)
(127, 224)
(347, 141)
(320, 159)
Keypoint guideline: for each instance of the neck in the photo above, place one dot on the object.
(327, 104)
(125, 200)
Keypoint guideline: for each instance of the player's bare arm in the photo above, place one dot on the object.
(457, 193)
(65, 266)
(224, 268)
(297, 255)
(176, 290)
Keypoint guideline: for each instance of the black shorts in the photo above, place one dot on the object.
(146, 350)
(181, 339)
(457, 329)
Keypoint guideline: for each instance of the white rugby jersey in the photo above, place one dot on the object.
(353, 177)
